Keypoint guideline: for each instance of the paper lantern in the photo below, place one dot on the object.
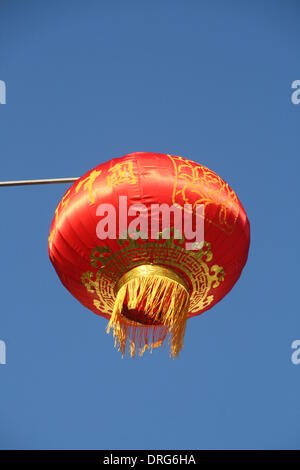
(117, 251)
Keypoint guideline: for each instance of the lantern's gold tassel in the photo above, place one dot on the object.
(151, 302)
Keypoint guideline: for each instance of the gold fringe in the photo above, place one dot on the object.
(160, 300)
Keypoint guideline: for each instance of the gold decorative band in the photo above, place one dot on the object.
(146, 270)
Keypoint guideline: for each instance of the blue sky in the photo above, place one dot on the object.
(91, 80)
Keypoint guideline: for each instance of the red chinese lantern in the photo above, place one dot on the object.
(146, 282)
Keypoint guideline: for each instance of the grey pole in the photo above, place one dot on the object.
(42, 181)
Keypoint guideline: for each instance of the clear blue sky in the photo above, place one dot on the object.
(91, 80)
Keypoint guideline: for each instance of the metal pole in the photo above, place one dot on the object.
(43, 181)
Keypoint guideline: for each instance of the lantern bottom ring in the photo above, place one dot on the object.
(146, 270)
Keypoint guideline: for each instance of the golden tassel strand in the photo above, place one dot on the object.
(159, 299)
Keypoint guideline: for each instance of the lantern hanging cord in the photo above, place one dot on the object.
(39, 181)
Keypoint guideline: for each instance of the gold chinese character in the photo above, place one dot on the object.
(88, 182)
(121, 173)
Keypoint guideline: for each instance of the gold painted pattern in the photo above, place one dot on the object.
(195, 266)
(196, 184)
